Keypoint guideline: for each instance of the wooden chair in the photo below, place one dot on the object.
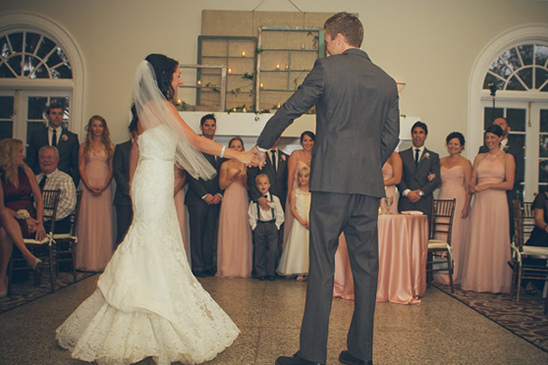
(65, 243)
(42, 249)
(524, 223)
(441, 225)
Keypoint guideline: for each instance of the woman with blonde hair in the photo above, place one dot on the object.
(95, 223)
(21, 207)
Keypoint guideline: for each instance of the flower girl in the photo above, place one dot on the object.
(294, 259)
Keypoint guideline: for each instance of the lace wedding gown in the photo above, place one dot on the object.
(147, 302)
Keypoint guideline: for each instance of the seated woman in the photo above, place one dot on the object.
(538, 237)
(21, 207)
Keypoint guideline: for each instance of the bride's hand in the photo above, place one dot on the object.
(248, 158)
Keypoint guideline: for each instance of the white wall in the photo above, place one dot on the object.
(430, 44)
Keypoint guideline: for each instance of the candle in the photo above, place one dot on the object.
(244, 110)
(261, 85)
(229, 70)
(199, 82)
(243, 53)
(278, 66)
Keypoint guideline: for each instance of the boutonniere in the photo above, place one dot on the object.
(64, 137)
(426, 155)
(283, 157)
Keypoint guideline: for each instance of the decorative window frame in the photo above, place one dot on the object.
(26, 21)
(528, 33)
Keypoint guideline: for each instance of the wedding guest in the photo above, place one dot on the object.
(297, 160)
(538, 237)
(19, 195)
(294, 259)
(265, 225)
(456, 172)
(234, 241)
(485, 266)
(54, 134)
(391, 174)
(120, 171)
(51, 178)
(419, 163)
(203, 200)
(94, 248)
(180, 188)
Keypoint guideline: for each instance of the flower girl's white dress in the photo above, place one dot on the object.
(147, 302)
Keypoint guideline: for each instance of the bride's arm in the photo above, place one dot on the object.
(207, 145)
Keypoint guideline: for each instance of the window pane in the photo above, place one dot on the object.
(544, 120)
(62, 72)
(32, 127)
(4, 47)
(514, 84)
(5, 72)
(6, 129)
(31, 42)
(516, 119)
(526, 52)
(490, 114)
(526, 76)
(40, 73)
(30, 64)
(53, 60)
(518, 140)
(45, 47)
(541, 55)
(492, 79)
(498, 67)
(6, 107)
(541, 77)
(37, 106)
(542, 188)
(543, 171)
(512, 58)
(15, 64)
(16, 40)
(543, 146)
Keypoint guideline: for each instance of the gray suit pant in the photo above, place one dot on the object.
(356, 216)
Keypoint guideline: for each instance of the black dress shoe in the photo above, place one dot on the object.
(295, 360)
(262, 278)
(271, 278)
(348, 359)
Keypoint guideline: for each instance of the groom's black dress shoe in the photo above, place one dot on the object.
(348, 359)
(295, 360)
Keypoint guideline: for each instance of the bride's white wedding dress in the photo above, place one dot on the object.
(147, 302)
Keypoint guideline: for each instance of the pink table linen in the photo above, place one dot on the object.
(403, 251)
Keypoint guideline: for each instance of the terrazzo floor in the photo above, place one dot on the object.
(440, 330)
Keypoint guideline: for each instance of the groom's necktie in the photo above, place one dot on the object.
(417, 153)
(273, 159)
(54, 138)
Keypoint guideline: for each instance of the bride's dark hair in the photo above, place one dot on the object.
(164, 67)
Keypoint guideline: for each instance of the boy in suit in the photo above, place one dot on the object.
(265, 225)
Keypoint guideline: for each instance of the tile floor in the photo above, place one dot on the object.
(440, 330)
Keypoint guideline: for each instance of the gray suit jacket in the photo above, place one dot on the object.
(414, 178)
(357, 123)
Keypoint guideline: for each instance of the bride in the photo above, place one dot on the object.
(147, 302)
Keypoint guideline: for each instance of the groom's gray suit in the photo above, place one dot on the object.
(357, 128)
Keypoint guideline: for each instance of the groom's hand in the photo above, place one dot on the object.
(261, 157)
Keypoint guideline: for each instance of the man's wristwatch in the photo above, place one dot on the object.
(421, 193)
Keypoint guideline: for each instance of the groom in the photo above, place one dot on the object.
(357, 129)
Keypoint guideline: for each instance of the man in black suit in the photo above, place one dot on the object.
(357, 128)
(420, 174)
(515, 150)
(65, 141)
(120, 170)
(203, 200)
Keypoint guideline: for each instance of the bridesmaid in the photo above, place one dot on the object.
(391, 173)
(94, 248)
(298, 159)
(234, 248)
(456, 172)
(485, 267)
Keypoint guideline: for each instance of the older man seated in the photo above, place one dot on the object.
(50, 178)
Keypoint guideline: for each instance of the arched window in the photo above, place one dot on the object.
(520, 68)
(39, 64)
(32, 55)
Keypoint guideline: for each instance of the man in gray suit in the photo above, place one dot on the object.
(357, 128)
(420, 174)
